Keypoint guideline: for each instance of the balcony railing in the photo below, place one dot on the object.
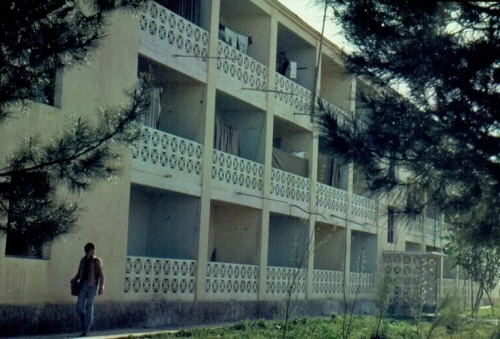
(414, 227)
(242, 175)
(165, 154)
(362, 284)
(432, 228)
(331, 200)
(364, 210)
(291, 187)
(227, 281)
(284, 282)
(328, 283)
(292, 94)
(164, 33)
(241, 67)
(157, 278)
(343, 117)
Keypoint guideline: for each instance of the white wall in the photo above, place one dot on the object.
(363, 252)
(329, 247)
(288, 239)
(182, 110)
(336, 86)
(258, 27)
(251, 125)
(234, 234)
(162, 224)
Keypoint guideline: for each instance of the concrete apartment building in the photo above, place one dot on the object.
(229, 196)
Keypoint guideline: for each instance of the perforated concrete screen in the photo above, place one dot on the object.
(412, 280)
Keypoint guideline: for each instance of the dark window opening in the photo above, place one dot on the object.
(391, 226)
(24, 234)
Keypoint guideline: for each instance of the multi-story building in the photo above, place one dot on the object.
(229, 198)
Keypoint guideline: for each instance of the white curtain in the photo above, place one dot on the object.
(227, 137)
(152, 117)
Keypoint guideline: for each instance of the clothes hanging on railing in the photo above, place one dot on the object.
(290, 163)
(152, 116)
(328, 170)
(227, 137)
(233, 39)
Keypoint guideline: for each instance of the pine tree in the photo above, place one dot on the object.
(38, 39)
(443, 127)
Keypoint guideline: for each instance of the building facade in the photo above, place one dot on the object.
(229, 195)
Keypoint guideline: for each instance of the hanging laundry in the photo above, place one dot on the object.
(231, 38)
(242, 43)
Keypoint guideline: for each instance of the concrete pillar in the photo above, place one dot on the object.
(350, 184)
(312, 217)
(208, 123)
(268, 153)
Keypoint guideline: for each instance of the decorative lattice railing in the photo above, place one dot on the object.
(284, 282)
(328, 283)
(364, 210)
(292, 94)
(362, 284)
(231, 171)
(432, 228)
(342, 117)
(331, 200)
(414, 227)
(165, 154)
(157, 278)
(239, 66)
(291, 187)
(227, 281)
(162, 29)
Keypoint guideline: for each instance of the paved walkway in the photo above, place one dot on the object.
(115, 334)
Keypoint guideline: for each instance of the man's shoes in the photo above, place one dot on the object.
(84, 334)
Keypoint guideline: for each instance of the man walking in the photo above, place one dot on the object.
(90, 276)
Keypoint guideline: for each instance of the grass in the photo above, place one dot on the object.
(363, 328)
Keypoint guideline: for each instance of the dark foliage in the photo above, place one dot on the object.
(38, 38)
(444, 129)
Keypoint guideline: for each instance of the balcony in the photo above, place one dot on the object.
(232, 173)
(328, 284)
(292, 98)
(432, 228)
(290, 188)
(158, 278)
(364, 210)
(173, 41)
(240, 75)
(414, 228)
(283, 282)
(342, 117)
(227, 281)
(167, 156)
(331, 201)
(362, 284)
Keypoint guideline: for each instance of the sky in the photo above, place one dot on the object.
(312, 13)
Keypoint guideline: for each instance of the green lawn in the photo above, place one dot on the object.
(451, 327)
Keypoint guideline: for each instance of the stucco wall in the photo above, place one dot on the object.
(85, 89)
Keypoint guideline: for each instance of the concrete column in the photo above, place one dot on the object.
(311, 243)
(313, 174)
(268, 153)
(348, 228)
(208, 123)
(350, 184)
